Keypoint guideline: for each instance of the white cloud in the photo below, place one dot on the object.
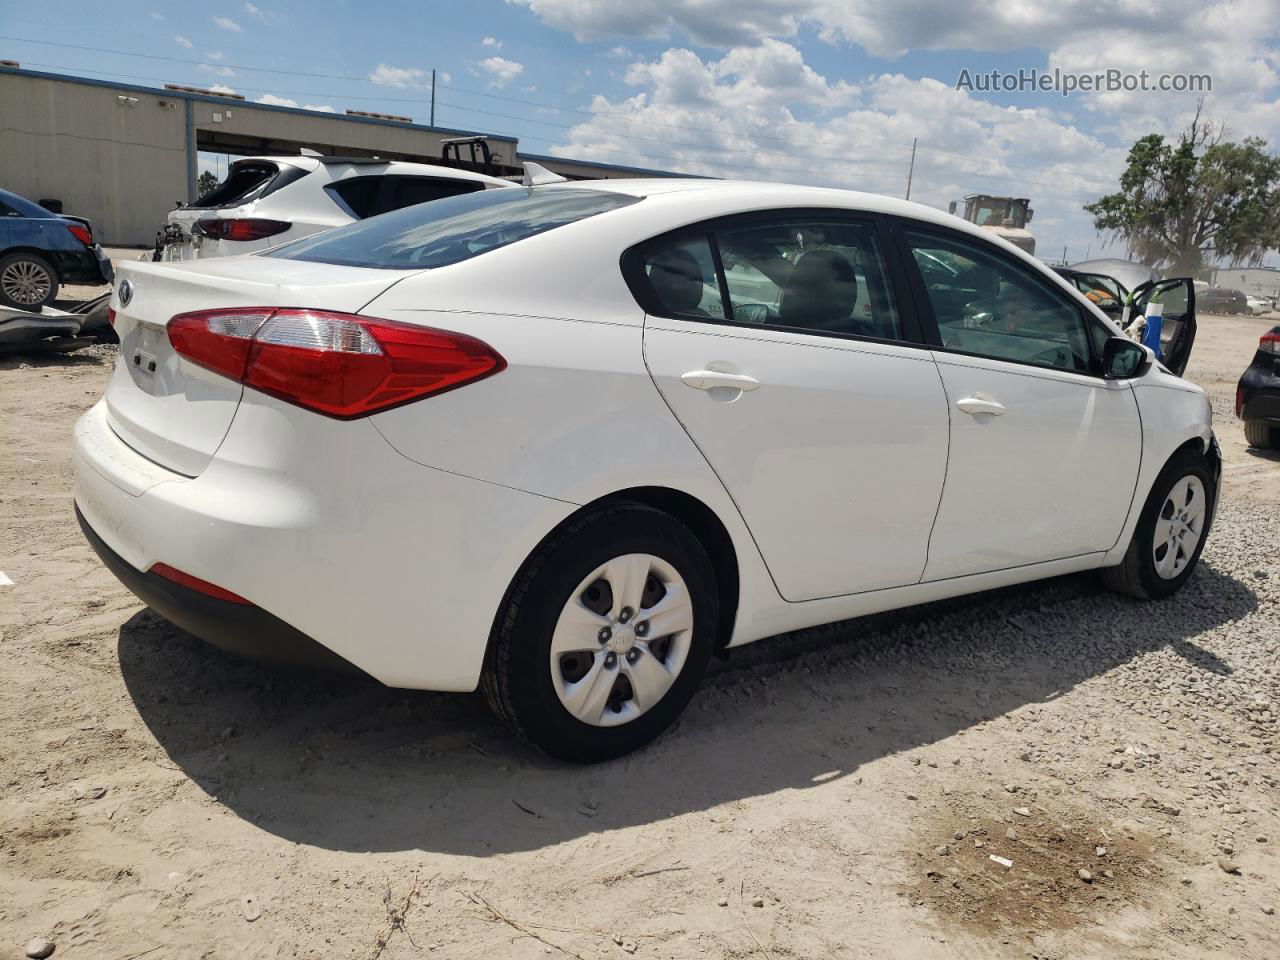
(319, 107)
(397, 76)
(501, 70)
(762, 113)
(272, 100)
(221, 88)
(1233, 40)
(491, 42)
(157, 15)
(258, 13)
(213, 55)
(226, 23)
(217, 71)
(182, 41)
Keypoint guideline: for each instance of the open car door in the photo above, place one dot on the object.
(1178, 330)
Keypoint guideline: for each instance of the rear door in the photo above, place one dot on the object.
(800, 376)
(1178, 326)
(1044, 452)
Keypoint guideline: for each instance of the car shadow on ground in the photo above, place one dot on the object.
(346, 764)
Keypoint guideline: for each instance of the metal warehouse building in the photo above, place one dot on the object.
(125, 155)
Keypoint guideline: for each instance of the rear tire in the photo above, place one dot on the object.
(1164, 550)
(1261, 434)
(564, 651)
(27, 281)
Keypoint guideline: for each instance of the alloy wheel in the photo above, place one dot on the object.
(621, 640)
(1179, 527)
(25, 282)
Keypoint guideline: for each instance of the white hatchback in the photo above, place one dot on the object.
(566, 442)
(269, 201)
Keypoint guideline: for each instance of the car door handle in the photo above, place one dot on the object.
(710, 379)
(978, 405)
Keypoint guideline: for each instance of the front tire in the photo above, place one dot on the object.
(1260, 434)
(1171, 531)
(605, 634)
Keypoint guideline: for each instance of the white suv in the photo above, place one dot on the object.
(267, 201)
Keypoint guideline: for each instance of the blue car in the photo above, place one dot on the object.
(40, 250)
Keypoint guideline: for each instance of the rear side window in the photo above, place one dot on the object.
(807, 275)
(356, 195)
(682, 279)
(401, 192)
(452, 230)
(824, 276)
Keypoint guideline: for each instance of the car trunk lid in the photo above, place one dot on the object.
(171, 410)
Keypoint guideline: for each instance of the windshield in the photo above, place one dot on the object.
(448, 231)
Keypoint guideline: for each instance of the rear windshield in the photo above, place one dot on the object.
(448, 231)
(243, 180)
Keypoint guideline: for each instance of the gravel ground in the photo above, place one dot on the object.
(835, 793)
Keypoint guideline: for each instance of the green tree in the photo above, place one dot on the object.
(205, 183)
(1184, 201)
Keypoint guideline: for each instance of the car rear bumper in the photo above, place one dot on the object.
(335, 539)
(1260, 394)
(242, 629)
(88, 266)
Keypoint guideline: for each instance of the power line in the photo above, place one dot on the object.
(705, 148)
(424, 84)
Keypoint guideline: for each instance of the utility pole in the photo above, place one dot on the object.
(433, 98)
(912, 169)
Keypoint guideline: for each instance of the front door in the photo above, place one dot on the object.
(795, 373)
(1044, 451)
(1177, 297)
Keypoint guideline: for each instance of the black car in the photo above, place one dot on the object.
(40, 250)
(1258, 394)
(1224, 301)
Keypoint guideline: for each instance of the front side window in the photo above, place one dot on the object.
(452, 230)
(988, 305)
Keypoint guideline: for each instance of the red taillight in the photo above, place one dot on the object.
(240, 229)
(195, 583)
(1239, 400)
(111, 316)
(1270, 343)
(81, 233)
(337, 364)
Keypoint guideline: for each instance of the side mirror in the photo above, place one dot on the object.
(951, 208)
(1122, 359)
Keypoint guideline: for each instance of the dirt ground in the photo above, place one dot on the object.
(836, 793)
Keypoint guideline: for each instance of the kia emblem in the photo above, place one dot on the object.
(126, 292)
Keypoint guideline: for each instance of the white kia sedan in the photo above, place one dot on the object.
(565, 442)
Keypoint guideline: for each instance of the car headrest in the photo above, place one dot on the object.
(676, 279)
(821, 291)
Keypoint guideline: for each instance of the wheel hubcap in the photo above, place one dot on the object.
(25, 282)
(1179, 527)
(621, 640)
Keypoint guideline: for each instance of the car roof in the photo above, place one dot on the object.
(335, 166)
(747, 195)
(26, 207)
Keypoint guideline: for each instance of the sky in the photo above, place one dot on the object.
(829, 92)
